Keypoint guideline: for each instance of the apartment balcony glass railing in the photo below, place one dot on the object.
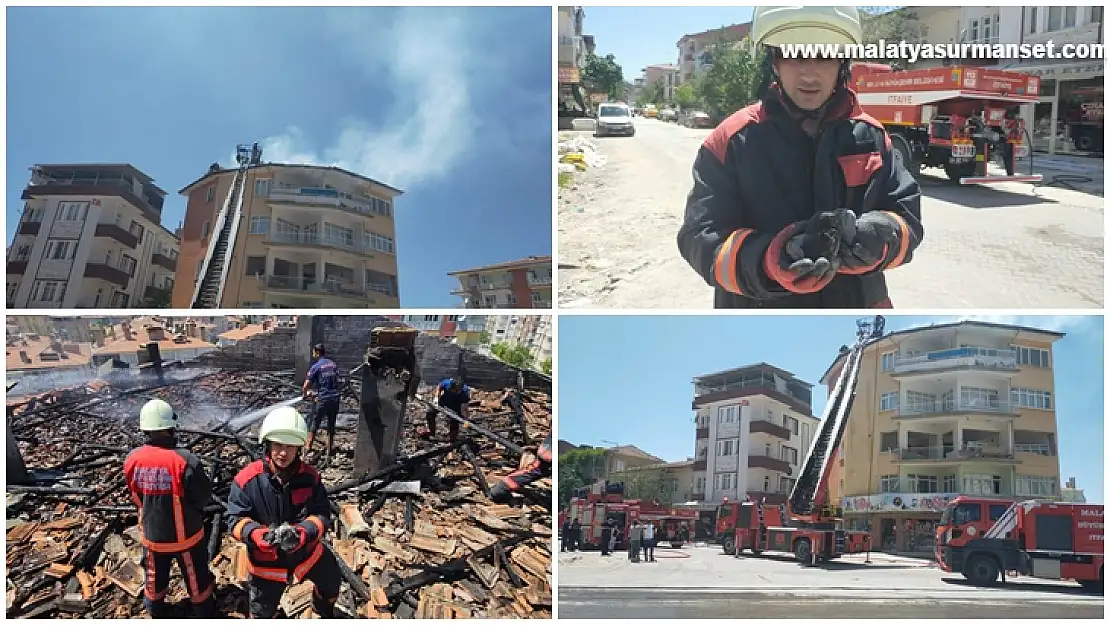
(322, 240)
(315, 287)
(966, 357)
(539, 280)
(342, 200)
(951, 454)
(953, 407)
(1033, 448)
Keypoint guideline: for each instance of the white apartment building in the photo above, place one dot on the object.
(754, 426)
(530, 331)
(90, 237)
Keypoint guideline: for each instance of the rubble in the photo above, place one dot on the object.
(423, 541)
(577, 153)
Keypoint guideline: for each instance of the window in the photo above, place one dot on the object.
(790, 423)
(260, 224)
(48, 291)
(381, 207)
(1032, 20)
(766, 483)
(256, 265)
(724, 481)
(511, 299)
(60, 250)
(1031, 398)
(1069, 17)
(1054, 15)
(1032, 357)
(786, 484)
(888, 484)
(537, 297)
(982, 484)
(378, 242)
(262, 188)
(699, 485)
(727, 414)
(137, 231)
(491, 301)
(127, 264)
(789, 454)
(210, 195)
(338, 235)
(888, 401)
(726, 448)
(995, 511)
(72, 211)
(204, 230)
(972, 397)
(923, 483)
(1027, 486)
(920, 403)
(120, 300)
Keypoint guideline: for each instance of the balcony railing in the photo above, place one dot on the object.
(17, 267)
(316, 196)
(107, 272)
(1033, 448)
(315, 287)
(759, 461)
(763, 425)
(164, 261)
(963, 357)
(115, 232)
(539, 280)
(957, 407)
(950, 454)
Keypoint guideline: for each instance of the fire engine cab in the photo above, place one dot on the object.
(605, 501)
(959, 119)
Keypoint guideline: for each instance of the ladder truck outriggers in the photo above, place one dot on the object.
(808, 525)
(959, 119)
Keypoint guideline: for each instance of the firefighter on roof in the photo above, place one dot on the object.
(279, 508)
(170, 489)
(322, 381)
(502, 492)
(454, 395)
(798, 201)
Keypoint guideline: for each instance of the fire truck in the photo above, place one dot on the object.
(1043, 539)
(606, 502)
(959, 119)
(807, 525)
(966, 518)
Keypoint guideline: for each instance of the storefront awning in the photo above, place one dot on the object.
(897, 502)
(569, 76)
(1077, 70)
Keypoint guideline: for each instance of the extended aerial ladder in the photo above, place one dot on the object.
(808, 525)
(213, 272)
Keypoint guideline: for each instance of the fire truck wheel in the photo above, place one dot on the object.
(757, 552)
(955, 172)
(904, 155)
(803, 550)
(981, 571)
(729, 546)
(1093, 585)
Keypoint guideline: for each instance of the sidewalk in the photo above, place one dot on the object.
(1082, 165)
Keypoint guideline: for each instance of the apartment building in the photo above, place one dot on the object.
(677, 480)
(1071, 493)
(943, 410)
(308, 237)
(693, 49)
(754, 425)
(91, 236)
(522, 283)
(665, 75)
(530, 331)
(462, 330)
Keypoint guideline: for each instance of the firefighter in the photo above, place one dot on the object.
(800, 200)
(502, 492)
(606, 537)
(453, 395)
(322, 382)
(170, 488)
(279, 509)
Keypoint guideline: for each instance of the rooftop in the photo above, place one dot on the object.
(217, 172)
(759, 366)
(127, 167)
(246, 332)
(35, 351)
(531, 261)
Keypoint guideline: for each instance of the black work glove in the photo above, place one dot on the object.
(869, 243)
(804, 257)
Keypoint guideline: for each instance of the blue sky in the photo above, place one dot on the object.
(628, 379)
(642, 36)
(452, 105)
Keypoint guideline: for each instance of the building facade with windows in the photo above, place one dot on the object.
(309, 237)
(943, 410)
(522, 283)
(753, 428)
(694, 50)
(91, 236)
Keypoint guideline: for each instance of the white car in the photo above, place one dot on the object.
(614, 119)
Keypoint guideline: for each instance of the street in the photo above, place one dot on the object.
(1009, 245)
(702, 582)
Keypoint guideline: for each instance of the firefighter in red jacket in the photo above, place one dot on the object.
(170, 489)
(502, 492)
(800, 200)
(279, 508)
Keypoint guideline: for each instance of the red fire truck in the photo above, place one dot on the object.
(608, 502)
(959, 119)
(1043, 539)
(807, 525)
(966, 518)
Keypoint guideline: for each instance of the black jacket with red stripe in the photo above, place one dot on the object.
(260, 499)
(759, 171)
(171, 489)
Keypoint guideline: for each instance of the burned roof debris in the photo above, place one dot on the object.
(418, 538)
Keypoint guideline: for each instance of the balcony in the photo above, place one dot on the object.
(108, 273)
(164, 262)
(959, 359)
(701, 465)
(759, 461)
(958, 408)
(701, 433)
(948, 454)
(116, 187)
(116, 233)
(30, 227)
(315, 240)
(310, 286)
(539, 280)
(154, 293)
(331, 198)
(17, 267)
(763, 426)
(1040, 449)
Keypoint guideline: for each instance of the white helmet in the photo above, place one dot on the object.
(284, 425)
(777, 26)
(157, 415)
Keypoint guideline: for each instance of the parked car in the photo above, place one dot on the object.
(651, 112)
(614, 119)
(697, 119)
(668, 115)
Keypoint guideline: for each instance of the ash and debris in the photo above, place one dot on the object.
(73, 546)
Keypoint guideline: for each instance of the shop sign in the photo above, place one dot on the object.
(1075, 71)
(898, 502)
(569, 76)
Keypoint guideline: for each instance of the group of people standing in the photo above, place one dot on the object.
(641, 538)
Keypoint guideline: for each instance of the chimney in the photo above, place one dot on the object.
(1071, 482)
(156, 333)
(24, 357)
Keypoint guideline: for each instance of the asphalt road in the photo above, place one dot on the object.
(1002, 246)
(701, 582)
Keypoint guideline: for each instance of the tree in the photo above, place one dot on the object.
(652, 93)
(891, 26)
(483, 338)
(545, 366)
(602, 75)
(647, 484)
(579, 468)
(730, 83)
(515, 355)
(686, 96)
(160, 299)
